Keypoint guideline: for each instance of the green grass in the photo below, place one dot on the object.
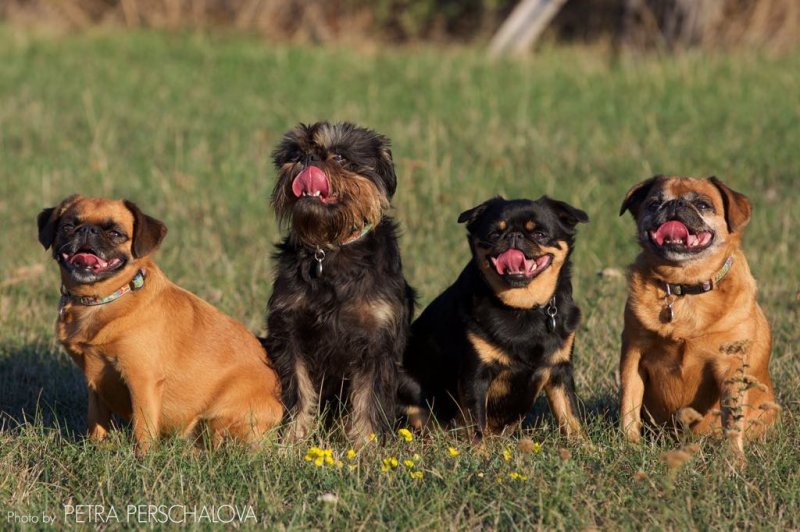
(184, 126)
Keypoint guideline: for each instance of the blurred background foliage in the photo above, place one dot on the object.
(630, 24)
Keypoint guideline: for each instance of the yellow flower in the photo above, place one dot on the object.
(372, 436)
(517, 476)
(351, 454)
(408, 463)
(480, 474)
(507, 455)
(320, 457)
(405, 434)
(416, 457)
(453, 451)
(417, 475)
(389, 463)
(313, 453)
(537, 447)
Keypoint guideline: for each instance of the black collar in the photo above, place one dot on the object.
(701, 288)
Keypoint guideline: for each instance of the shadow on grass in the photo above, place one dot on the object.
(601, 408)
(40, 386)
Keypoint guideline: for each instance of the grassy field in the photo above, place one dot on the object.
(184, 126)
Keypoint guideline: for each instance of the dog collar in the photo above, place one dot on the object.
(89, 301)
(705, 286)
(357, 235)
(319, 253)
(687, 289)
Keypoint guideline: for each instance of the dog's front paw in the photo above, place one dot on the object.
(142, 447)
(297, 431)
(632, 433)
(97, 433)
(360, 434)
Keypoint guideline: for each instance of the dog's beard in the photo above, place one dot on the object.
(359, 203)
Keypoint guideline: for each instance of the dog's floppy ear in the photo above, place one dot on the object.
(637, 194)
(386, 170)
(470, 215)
(147, 231)
(737, 206)
(48, 221)
(566, 212)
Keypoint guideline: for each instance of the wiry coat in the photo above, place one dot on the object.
(337, 335)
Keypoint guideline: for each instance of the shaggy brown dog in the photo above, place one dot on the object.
(696, 345)
(340, 307)
(151, 352)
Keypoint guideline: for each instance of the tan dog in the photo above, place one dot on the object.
(151, 352)
(696, 345)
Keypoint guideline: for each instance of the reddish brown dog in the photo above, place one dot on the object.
(696, 345)
(151, 352)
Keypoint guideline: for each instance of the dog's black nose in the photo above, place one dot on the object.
(673, 206)
(88, 230)
(515, 239)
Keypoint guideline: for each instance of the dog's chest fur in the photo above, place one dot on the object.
(467, 326)
(337, 318)
(83, 331)
(707, 335)
(523, 336)
(84, 335)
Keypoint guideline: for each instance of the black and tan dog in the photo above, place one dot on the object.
(504, 331)
(340, 309)
(151, 352)
(694, 334)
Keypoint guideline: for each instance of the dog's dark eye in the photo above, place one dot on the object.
(539, 236)
(653, 205)
(114, 234)
(339, 158)
(702, 205)
(67, 227)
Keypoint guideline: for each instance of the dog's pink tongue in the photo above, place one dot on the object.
(511, 261)
(87, 260)
(311, 182)
(672, 230)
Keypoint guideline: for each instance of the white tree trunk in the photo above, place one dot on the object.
(523, 26)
